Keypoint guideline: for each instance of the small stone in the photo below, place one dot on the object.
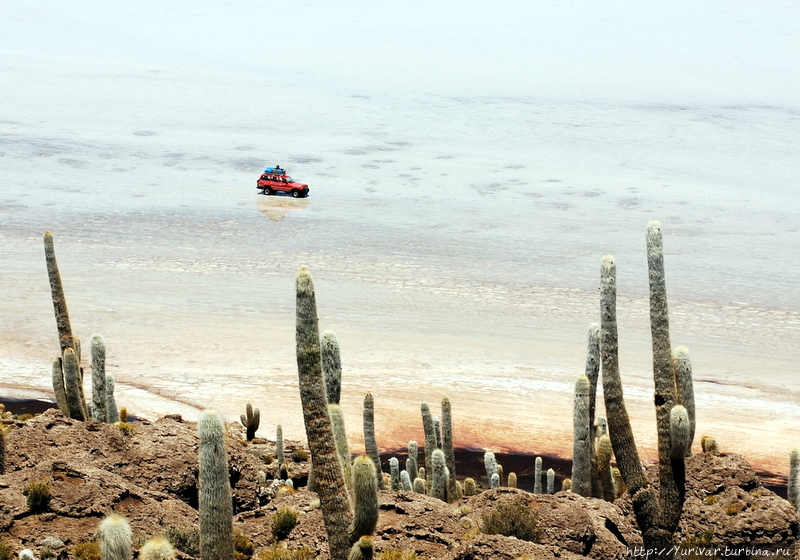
(52, 543)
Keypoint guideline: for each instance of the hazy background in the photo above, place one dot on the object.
(469, 164)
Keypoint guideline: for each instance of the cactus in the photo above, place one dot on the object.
(494, 481)
(670, 470)
(685, 389)
(215, 505)
(447, 445)
(490, 463)
(411, 462)
(419, 485)
(512, 480)
(602, 470)
(405, 481)
(2, 449)
(250, 420)
(421, 474)
(57, 291)
(551, 481)
(76, 405)
(111, 403)
(500, 473)
(470, 488)
(362, 550)
(394, 471)
(437, 429)
(157, 548)
(283, 471)
(26, 554)
(99, 410)
(331, 366)
(593, 371)
(439, 477)
(430, 438)
(279, 445)
(582, 441)
(619, 484)
(709, 445)
(115, 538)
(537, 480)
(342, 448)
(679, 431)
(600, 427)
(58, 386)
(123, 414)
(365, 498)
(370, 443)
(566, 485)
(794, 472)
(328, 474)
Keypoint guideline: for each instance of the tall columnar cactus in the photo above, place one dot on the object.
(439, 476)
(437, 428)
(73, 386)
(490, 464)
(57, 291)
(582, 439)
(413, 457)
(250, 420)
(794, 471)
(342, 447)
(370, 443)
(551, 481)
(447, 444)
(215, 505)
(602, 470)
(645, 504)
(593, 372)
(327, 469)
(537, 481)
(111, 402)
(365, 502)
(670, 470)
(331, 366)
(394, 473)
(279, 445)
(115, 538)
(430, 439)
(157, 548)
(685, 389)
(99, 409)
(58, 386)
(405, 481)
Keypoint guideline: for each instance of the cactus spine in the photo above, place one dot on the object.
(447, 445)
(342, 448)
(331, 366)
(405, 481)
(670, 470)
(328, 475)
(411, 462)
(685, 389)
(115, 538)
(551, 481)
(439, 477)
(215, 505)
(512, 480)
(279, 445)
(430, 439)
(582, 440)
(794, 472)
(537, 481)
(99, 409)
(73, 386)
(370, 443)
(111, 402)
(394, 472)
(250, 420)
(365, 498)
(157, 548)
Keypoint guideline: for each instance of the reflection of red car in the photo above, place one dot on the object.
(271, 183)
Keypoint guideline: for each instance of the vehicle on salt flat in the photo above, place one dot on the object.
(275, 180)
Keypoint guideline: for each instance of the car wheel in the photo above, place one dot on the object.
(296, 193)
(268, 191)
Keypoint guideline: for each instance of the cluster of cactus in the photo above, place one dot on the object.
(657, 514)
(439, 474)
(67, 371)
(116, 542)
(349, 521)
(250, 420)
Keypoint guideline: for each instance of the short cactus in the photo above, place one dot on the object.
(494, 482)
(490, 463)
(279, 454)
(679, 431)
(566, 485)
(439, 477)
(405, 481)
(412, 461)
(215, 505)
(58, 386)
(111, 402)
(551, 481)
(157, 548)
(115, 538)
(582, 439)
(709, 444)
(365, 498)
(604, 483)
(500, 473)
(73, 385)
(394, 472)
(99, 411)
(26, 554)
(342, 447)
(685, 389)
(537, 481)
(470, 488)
(370, 443)
(512, 480)
(250, 420)
(362, 550)
(419, 486)
(331, 366)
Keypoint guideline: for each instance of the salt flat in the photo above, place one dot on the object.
(469, 166)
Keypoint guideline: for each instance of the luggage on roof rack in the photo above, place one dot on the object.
(277, 170)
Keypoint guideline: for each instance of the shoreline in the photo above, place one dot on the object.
(469, 459)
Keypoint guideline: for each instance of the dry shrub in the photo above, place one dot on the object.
(299, 454)
(126, 428)
(284, 520)
(38, 493)
(394, 554)
(87, 551)
(243, 547)
(185, 539)
(6, 552)
(513, 519)
(280, 553)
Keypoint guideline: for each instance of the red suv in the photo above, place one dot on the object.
(275, 180)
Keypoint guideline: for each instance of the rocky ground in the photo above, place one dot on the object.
(150, 477)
